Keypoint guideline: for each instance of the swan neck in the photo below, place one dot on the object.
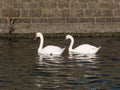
(41, 42)
(71, 44)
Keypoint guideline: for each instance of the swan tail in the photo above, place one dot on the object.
(62, 50)
(98, 48)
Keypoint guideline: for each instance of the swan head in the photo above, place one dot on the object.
(38, 35)
(69, 37)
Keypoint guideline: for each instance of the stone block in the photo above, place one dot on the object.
(80, 5)
(42, 20)
(117, 1)
(63, 3)
(44, 4)
(115, 20)
(108, 1)
(108, 20)
(48, 12)
(40, 3)
(72, 20)
(117, 12)
(86, 20)
(65, 13)
(93, 13)
(32, 4)
(114, 6)
(104, 5)
(23, 20)
(97, 13)
(3, 20)
(24, 13)
(35, 20)
(53, 4)
(107, 12)
(91, 5)
(91, 1)
(10, 12)
(35, 13)
(100, 20)
(18, 4)
(6, 3)
(79, 13)
(25, 1)
(49, 20)
(23, 28)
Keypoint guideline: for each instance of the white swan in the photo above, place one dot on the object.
(50, 49)
(82, 49)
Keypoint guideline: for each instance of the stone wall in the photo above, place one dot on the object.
(61, 16)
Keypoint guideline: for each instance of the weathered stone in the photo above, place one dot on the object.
(79, 13)
(35, 13)
(86, 20)
(115, 20)
(10, 12)
(117, 1)
(53, 4)
(108, 20)
(80, 5)
(33, 5)
(117, 12)
(59, 16)
(114, 5)
(63, 3)
(3, 20)
(24, 1)
(23, 20)
(107, 13)
(24, 13)
(100, 20)
(93, 13)
(104, 5)
(65, 13)
(72, 20)
(18, 4)
(48, 12)
(91, 5)
(50, 20)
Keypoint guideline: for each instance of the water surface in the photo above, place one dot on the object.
(21, 68)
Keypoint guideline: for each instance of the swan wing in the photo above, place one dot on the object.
(86, 48)
(50, 49)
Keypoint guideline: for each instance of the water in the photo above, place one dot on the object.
(21, 68)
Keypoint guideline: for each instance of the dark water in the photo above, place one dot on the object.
(22, 69)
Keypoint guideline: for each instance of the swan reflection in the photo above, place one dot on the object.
(82, 57)
(49, 58)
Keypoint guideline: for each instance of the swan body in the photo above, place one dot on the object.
(50, 49)
(82, 49)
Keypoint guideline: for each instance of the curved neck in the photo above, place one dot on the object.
(71, 44)
(41, 42)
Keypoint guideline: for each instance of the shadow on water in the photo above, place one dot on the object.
(22, 69)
